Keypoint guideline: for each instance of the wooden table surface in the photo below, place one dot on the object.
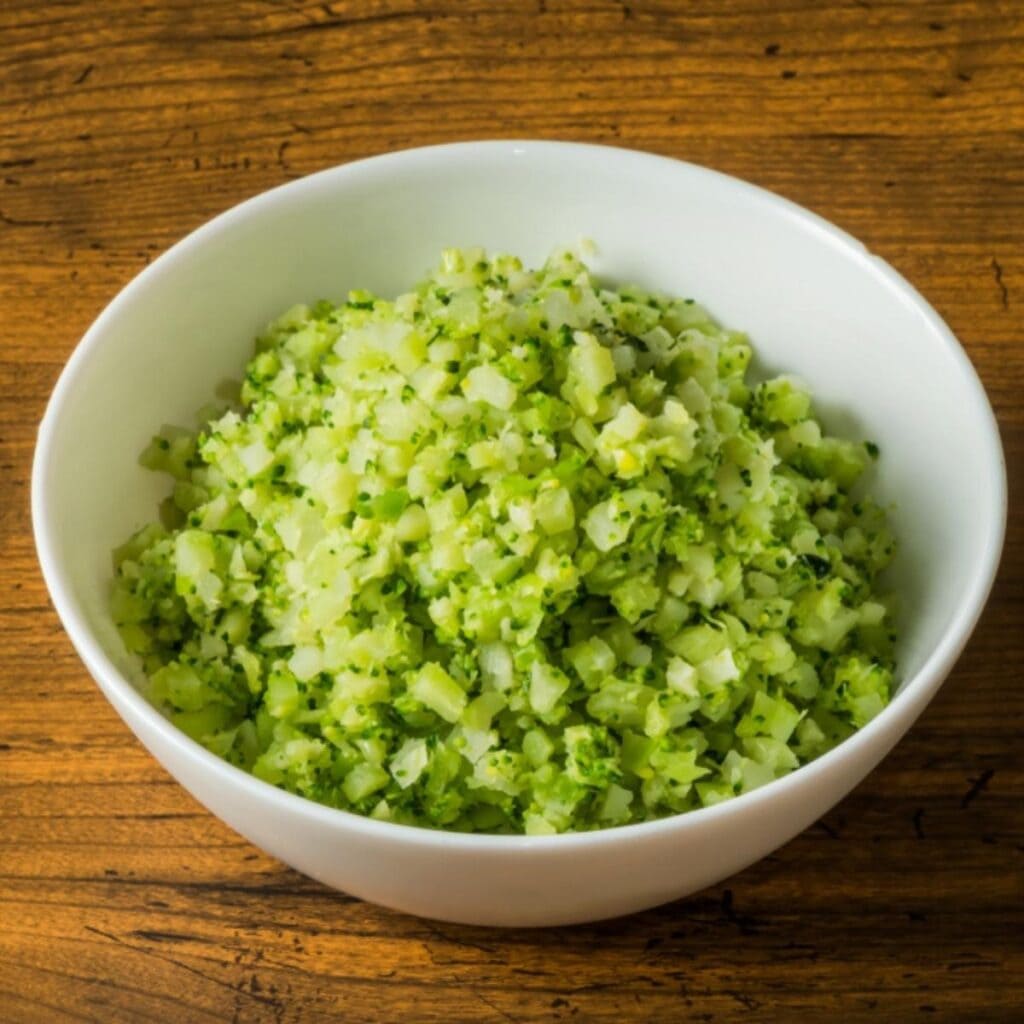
(125, 125)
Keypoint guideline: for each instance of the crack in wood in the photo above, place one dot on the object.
(978, 786)
(1004, 293)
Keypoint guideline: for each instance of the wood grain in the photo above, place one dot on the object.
(125, 125)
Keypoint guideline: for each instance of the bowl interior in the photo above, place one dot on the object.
(880, 363)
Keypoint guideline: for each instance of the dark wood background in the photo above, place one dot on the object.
(124, 125)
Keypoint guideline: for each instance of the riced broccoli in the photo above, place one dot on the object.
(513, 552)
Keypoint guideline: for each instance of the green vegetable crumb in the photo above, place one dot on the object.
(514, 552)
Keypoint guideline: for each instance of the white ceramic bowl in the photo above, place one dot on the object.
(880, 361)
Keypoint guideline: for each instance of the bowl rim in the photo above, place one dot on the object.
(896, 717)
